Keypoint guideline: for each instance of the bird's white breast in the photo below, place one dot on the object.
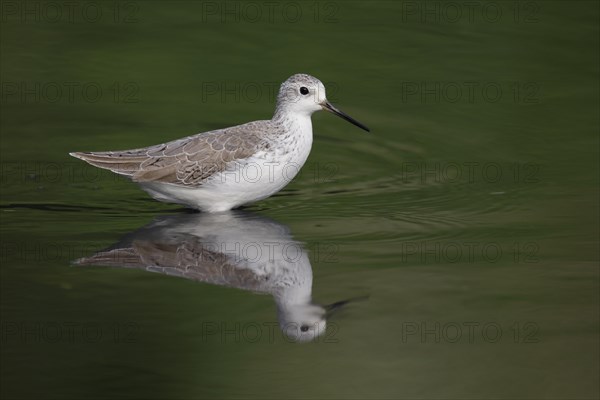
(268, 171)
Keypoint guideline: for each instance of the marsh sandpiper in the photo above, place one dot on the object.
(226, 168)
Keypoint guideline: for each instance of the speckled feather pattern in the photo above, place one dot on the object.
(191, 160)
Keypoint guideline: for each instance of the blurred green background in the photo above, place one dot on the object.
(474, 200)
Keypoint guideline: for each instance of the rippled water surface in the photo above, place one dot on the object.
(464, 228)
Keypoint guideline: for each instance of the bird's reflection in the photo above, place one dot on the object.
(235, 249)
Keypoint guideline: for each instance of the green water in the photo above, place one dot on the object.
(469, 215)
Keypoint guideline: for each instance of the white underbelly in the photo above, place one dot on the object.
(243, 182)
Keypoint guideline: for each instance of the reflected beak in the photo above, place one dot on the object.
(332, 308)
(327, 106)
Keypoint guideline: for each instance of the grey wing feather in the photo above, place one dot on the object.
(187, 161)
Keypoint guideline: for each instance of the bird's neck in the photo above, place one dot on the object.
(294, 295)
(294, 123)
(283, 113)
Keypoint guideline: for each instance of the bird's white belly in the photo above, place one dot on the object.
(244, 181)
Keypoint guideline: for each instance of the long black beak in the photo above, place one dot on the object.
(329, 107)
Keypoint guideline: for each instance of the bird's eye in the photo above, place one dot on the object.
(304, 328)
(304, 90)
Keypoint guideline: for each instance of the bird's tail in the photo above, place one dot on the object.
(124, 163)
